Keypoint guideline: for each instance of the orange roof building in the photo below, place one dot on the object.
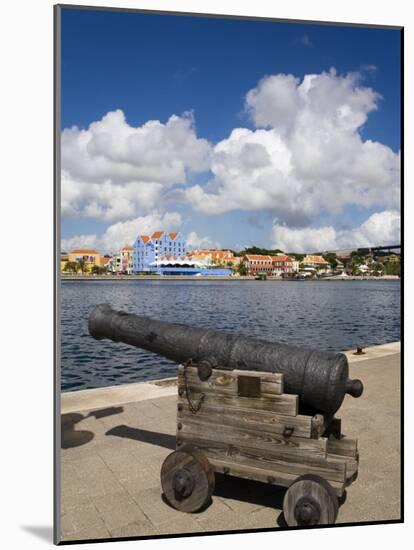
(315, 261)
(83, 251)
(216, 256)
(257, 263)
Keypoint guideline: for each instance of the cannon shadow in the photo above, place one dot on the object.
(145, 436)
(72, 437)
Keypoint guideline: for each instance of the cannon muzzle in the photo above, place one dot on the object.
(320, 379)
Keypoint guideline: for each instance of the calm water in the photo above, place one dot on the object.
(328, 315)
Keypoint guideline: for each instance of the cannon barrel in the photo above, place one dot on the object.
(320, 379)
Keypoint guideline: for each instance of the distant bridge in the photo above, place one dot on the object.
(372, 249)
(385, 248)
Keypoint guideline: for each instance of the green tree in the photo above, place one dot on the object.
(72, 267)
(392, 268)
(97, 270)
(377, 269)
(297, 257)
(241, 269)
(330, 257)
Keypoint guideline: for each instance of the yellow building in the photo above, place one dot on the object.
(88, 257)
(217, 257)
(64, 258)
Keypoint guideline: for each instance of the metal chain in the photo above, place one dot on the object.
(194, 407)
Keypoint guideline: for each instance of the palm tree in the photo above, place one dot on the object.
(82, 266)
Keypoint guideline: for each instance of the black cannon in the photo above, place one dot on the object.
(320, 379)
(250, 409)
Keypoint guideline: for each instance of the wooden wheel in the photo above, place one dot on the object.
(187, 479)
(310, 500)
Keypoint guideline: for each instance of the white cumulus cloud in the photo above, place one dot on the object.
(381, 228)
(112, 170)
(124, 233)
(194, 241)
(79, 241)
(306, 156)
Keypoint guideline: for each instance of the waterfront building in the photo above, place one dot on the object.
(149, 248)
(105, 261)
(89, 258)
(122, 262)
(257, 263)
(217, 257)
(316, 262)
(126, 261)
(201, 256)
(282, 264)
(114, 263)
(64, 258)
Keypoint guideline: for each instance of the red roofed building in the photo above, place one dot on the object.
(283, 264)
(256, 263)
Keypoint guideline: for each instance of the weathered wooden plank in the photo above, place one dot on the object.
(225, 381)
(334, 471)
(345, 446)
(351, 465)
(260, 439)
(248, 418)
(282, 404)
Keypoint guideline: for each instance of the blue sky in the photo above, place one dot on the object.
(153, 66)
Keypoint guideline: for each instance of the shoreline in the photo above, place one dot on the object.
(164, 278)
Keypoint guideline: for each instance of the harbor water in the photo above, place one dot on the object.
(326, 315)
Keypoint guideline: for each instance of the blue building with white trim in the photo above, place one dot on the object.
(148, 249)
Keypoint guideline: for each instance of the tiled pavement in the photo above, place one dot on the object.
(111, 459)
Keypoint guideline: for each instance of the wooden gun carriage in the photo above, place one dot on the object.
(241, 423)
(249, 408)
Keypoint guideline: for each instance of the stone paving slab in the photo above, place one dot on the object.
(112, 455)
